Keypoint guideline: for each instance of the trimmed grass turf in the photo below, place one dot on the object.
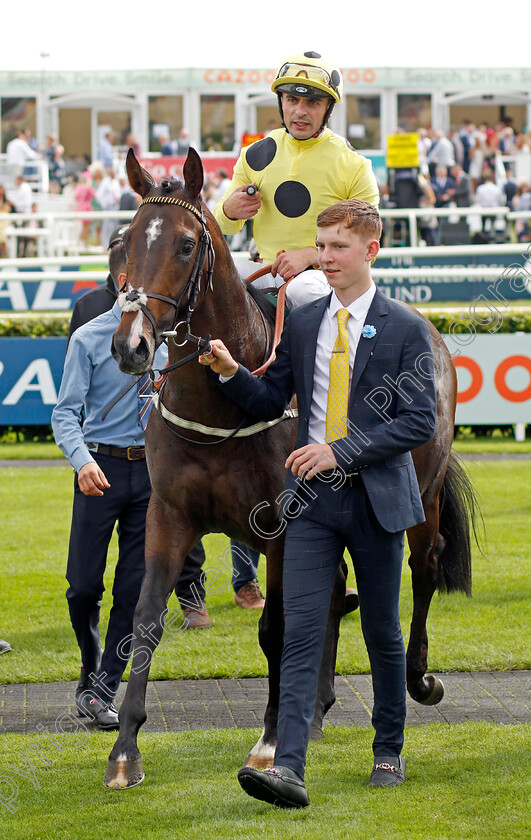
(464, 782)
(488, 631)
(41, 450)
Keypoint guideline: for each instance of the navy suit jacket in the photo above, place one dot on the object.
(392, 403)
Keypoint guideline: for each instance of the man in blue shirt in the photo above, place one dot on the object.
(111, 486)
(190, 589)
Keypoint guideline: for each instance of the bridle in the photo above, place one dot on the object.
(133, 300)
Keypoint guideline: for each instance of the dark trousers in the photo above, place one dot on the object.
(315, 541)
(190, 587)
(93, 518)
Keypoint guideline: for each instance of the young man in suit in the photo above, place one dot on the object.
(362, 369)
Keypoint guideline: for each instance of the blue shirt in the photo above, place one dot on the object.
(91, 380)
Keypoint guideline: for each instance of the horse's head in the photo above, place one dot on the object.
(168, 248)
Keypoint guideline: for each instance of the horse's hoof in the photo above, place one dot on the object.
(428, 691)
(316, 732)
(123, 773)
(262, 755)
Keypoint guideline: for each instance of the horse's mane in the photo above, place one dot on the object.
(169, 185)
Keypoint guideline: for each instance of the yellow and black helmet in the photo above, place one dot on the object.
(308, 74)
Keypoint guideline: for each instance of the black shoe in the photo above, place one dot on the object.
(4, 646)
(104, 714)
(279, 786)
(352, 601)
(388, 771)
(84, 692)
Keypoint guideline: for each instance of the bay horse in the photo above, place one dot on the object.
(174, 286)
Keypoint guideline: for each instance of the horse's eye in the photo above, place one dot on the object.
(188, 247)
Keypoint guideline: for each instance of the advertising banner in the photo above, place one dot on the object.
(493, 374)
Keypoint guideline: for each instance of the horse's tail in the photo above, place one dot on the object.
(459, 513)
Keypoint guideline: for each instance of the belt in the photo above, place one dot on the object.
(131, 453)
(354, 478)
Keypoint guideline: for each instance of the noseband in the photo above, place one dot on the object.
(136, 299)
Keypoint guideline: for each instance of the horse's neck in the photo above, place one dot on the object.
(228, 312)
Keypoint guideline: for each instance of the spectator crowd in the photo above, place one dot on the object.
(472, 166)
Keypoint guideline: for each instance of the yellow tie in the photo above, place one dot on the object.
(337, 405)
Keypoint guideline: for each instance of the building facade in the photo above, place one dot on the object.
(219, 105)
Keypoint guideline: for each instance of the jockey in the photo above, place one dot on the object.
(298, 170)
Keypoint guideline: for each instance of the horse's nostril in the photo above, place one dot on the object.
(142, 351)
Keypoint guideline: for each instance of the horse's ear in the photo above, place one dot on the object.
(193, 173)
(139, 178)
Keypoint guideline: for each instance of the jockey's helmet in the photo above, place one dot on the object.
(309, 74)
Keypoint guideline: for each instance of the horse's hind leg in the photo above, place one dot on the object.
(124, 768)
(426, 545)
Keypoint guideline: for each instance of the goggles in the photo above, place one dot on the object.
(306, 73)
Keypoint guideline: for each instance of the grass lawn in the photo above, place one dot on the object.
(464, 782)
(43, 450)
(488, 631)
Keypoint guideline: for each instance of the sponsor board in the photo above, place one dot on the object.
(45, 295)
(493, 373)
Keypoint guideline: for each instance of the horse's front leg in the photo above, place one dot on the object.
(426, 545)
(271, 636)
(164, 561)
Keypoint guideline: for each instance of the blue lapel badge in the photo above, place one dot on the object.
(368, 331)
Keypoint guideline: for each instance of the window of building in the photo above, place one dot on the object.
(118, 121)
(217, 123)
(165, 116)
(267, 118)
(413, 111)
(17, 113)
(363, 121)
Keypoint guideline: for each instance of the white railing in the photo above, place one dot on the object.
(55, 232)
(58, 239)
(63, 227)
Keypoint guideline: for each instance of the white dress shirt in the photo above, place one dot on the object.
(326, 339)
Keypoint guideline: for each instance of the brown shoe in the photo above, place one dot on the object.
(250, 597)
(196, 619)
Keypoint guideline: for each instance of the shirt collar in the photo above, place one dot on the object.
(116, 310)
(358, 308)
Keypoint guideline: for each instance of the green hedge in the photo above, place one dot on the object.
(509, 322)
(35, 326)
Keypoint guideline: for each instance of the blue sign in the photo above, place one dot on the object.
(30, 376)
(418, 290)
(42, 295)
